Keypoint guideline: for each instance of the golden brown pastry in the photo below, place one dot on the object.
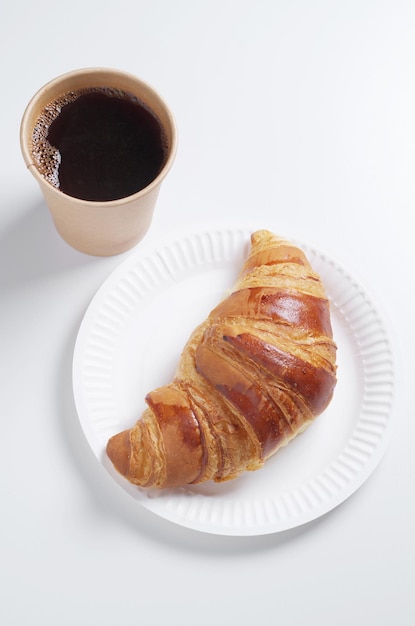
(250, 378)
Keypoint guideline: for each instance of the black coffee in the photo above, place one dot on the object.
(99, 144)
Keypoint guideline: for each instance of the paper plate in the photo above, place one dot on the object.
(130, 340)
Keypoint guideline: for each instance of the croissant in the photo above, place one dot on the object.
(251, 377)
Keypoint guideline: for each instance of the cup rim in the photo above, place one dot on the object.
(26, 127)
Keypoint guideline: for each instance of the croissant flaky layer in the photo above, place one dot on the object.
(251, 377)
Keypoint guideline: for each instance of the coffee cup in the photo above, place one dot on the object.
(100, 224)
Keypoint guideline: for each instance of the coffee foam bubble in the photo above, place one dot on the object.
(45, 157)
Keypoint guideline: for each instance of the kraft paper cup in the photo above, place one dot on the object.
(99, 228)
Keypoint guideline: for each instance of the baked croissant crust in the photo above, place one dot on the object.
(251, 377)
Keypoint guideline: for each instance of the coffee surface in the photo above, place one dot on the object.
(98, 145)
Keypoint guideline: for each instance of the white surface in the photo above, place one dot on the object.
(301, 116)
(126, 347)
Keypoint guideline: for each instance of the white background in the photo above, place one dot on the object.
(300, 114)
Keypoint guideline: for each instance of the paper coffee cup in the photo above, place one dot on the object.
(101, 228)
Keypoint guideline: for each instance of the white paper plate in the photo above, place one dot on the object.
(129, 343)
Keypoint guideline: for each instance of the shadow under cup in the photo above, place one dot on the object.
(100, 228)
